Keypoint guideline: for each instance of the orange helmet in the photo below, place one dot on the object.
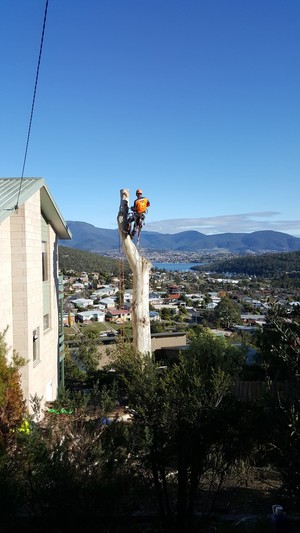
(139, 191)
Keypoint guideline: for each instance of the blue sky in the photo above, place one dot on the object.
(194, 101)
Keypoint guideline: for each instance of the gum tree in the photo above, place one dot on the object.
(140, 267)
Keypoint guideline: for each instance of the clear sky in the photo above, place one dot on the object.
(197, 102)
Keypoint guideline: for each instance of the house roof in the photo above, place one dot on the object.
(91, 313)
(14, 192)
(168, 334)
(116, 312)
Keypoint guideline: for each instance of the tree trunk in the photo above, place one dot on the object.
(140, 270)
(182, 484)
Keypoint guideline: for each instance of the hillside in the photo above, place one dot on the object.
(80, 260)
(264, 265)
(90, 238)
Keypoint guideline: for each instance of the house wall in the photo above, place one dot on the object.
(164, 341)
(6, 286)
(159, 307)
(39, 377)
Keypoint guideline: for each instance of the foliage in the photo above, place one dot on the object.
(279, 343)
(214, 352)
(12, 404)
(187, 433)
(157, 327)
(87, 354)
(73, 373)
(73, 467)
(165, 314)
(183, 427)
(227, 313)
(82, 360)
(267, 265)
(79, 261)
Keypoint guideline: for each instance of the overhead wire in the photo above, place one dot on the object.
(33, 103)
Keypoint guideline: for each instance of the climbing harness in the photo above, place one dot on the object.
(138, 221)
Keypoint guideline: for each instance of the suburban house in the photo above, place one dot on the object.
(104, 291)
(117, 315)
(31, 289)
(154, 316)
(250, 319)
(92, 315)
(82, 302)
(109, 303)
(167, 346)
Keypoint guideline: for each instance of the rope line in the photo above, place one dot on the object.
(33, 103)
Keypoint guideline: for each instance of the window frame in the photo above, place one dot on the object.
(45, 266)
(36, 346)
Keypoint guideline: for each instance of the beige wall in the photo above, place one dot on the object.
(6, 285)
(159, 307)
(22, 289)
(165, 341)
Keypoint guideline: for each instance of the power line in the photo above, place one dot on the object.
(33, 102)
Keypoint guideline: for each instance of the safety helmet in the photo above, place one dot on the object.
(139, 191)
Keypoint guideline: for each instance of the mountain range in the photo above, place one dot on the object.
(90, 238)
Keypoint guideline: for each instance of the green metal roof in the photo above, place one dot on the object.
(19, 190)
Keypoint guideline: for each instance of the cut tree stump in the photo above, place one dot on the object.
(140, 267)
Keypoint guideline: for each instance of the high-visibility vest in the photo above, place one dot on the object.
(141, 204)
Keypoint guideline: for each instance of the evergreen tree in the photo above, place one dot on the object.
(227, 313)
(183, 429)
(280, 356)
(12, 404)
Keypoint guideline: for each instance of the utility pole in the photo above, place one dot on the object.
(140, 291)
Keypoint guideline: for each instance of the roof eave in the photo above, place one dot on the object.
(53, 215)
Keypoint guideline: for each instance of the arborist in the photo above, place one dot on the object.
(139, 209)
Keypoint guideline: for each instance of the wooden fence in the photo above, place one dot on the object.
(255, 390)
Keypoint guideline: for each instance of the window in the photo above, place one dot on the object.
(46, 322)
(44, 261)
(35, 346)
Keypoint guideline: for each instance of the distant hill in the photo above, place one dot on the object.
(88, 237)
(80, 260)
(266, 265)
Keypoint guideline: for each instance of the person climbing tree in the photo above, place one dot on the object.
(140, 266)
(139, 209)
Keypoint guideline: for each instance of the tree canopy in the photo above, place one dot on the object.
(12, 404)
(262, 265)
(227, 313)
(79, 261)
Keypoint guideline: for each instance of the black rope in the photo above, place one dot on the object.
(33, 103)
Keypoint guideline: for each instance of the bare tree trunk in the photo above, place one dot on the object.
(140, 270)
